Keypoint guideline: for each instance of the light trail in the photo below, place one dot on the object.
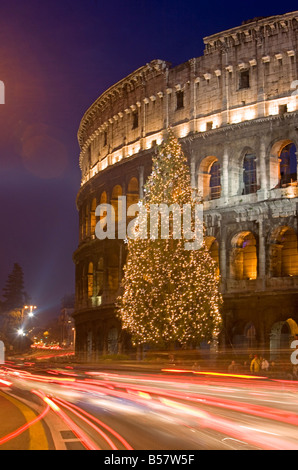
(23, 428)
(81, 412)
(86, 441)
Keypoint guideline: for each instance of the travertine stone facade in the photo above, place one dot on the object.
(235, 111)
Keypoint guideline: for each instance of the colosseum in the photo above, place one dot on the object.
(235, 112)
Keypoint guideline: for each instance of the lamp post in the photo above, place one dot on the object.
(30, 309)
(27, 308)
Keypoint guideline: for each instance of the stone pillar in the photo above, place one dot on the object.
(192, 111)
(262, 173)
(223, 259)
(141, 181)
(225, 175)
(193, 172)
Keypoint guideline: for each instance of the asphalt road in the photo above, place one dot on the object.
(64, 408)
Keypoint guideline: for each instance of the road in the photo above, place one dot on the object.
(67, 408)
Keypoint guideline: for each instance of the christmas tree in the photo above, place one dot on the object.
(170, 293)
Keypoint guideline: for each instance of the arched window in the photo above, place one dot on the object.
(90, 280)
(250, 335)
(212, 247)
(243, 260)
(249, 174)
(116, 193)
(288, 165)
(92, 217)
(215, 186)
(132, 196)
(209, 178)
(284, 253)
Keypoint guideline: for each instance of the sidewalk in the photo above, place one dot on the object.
(13, 415)
(12, 418)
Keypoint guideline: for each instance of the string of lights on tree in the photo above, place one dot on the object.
(170, 295)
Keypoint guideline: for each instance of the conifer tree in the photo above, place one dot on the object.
(170, 294)
(13, 292)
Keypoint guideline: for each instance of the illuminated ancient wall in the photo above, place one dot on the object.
(235, 111)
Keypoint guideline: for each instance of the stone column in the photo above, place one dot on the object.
(262, 173)
(225, 175)
(193, 172)
(223, 259)
(192, 86)
(141, 181)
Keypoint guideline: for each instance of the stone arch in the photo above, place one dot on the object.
(281, 335)
(249, 172)
(209, 179)
(212, 246)
(283, 252)
(116, 193)
(132, 195)
(243, 256)
(244, 336)
(283, 163)
(90, 280)
(92, 217)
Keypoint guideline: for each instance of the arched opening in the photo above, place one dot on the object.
(213, 248)
(249, 174)
(283, 164)
(281, 335)
(132, 196)
(288, 165)
(116, 193)
(243, 259)
(92, 217)
(90, 280)
(244, 337)
(250, 336)
(215, 185)
(209, 178)
(283, 253)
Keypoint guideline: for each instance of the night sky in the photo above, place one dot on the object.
(56, 58)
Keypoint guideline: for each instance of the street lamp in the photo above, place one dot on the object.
(31, 312)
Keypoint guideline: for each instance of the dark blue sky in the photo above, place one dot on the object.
(56, 58)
